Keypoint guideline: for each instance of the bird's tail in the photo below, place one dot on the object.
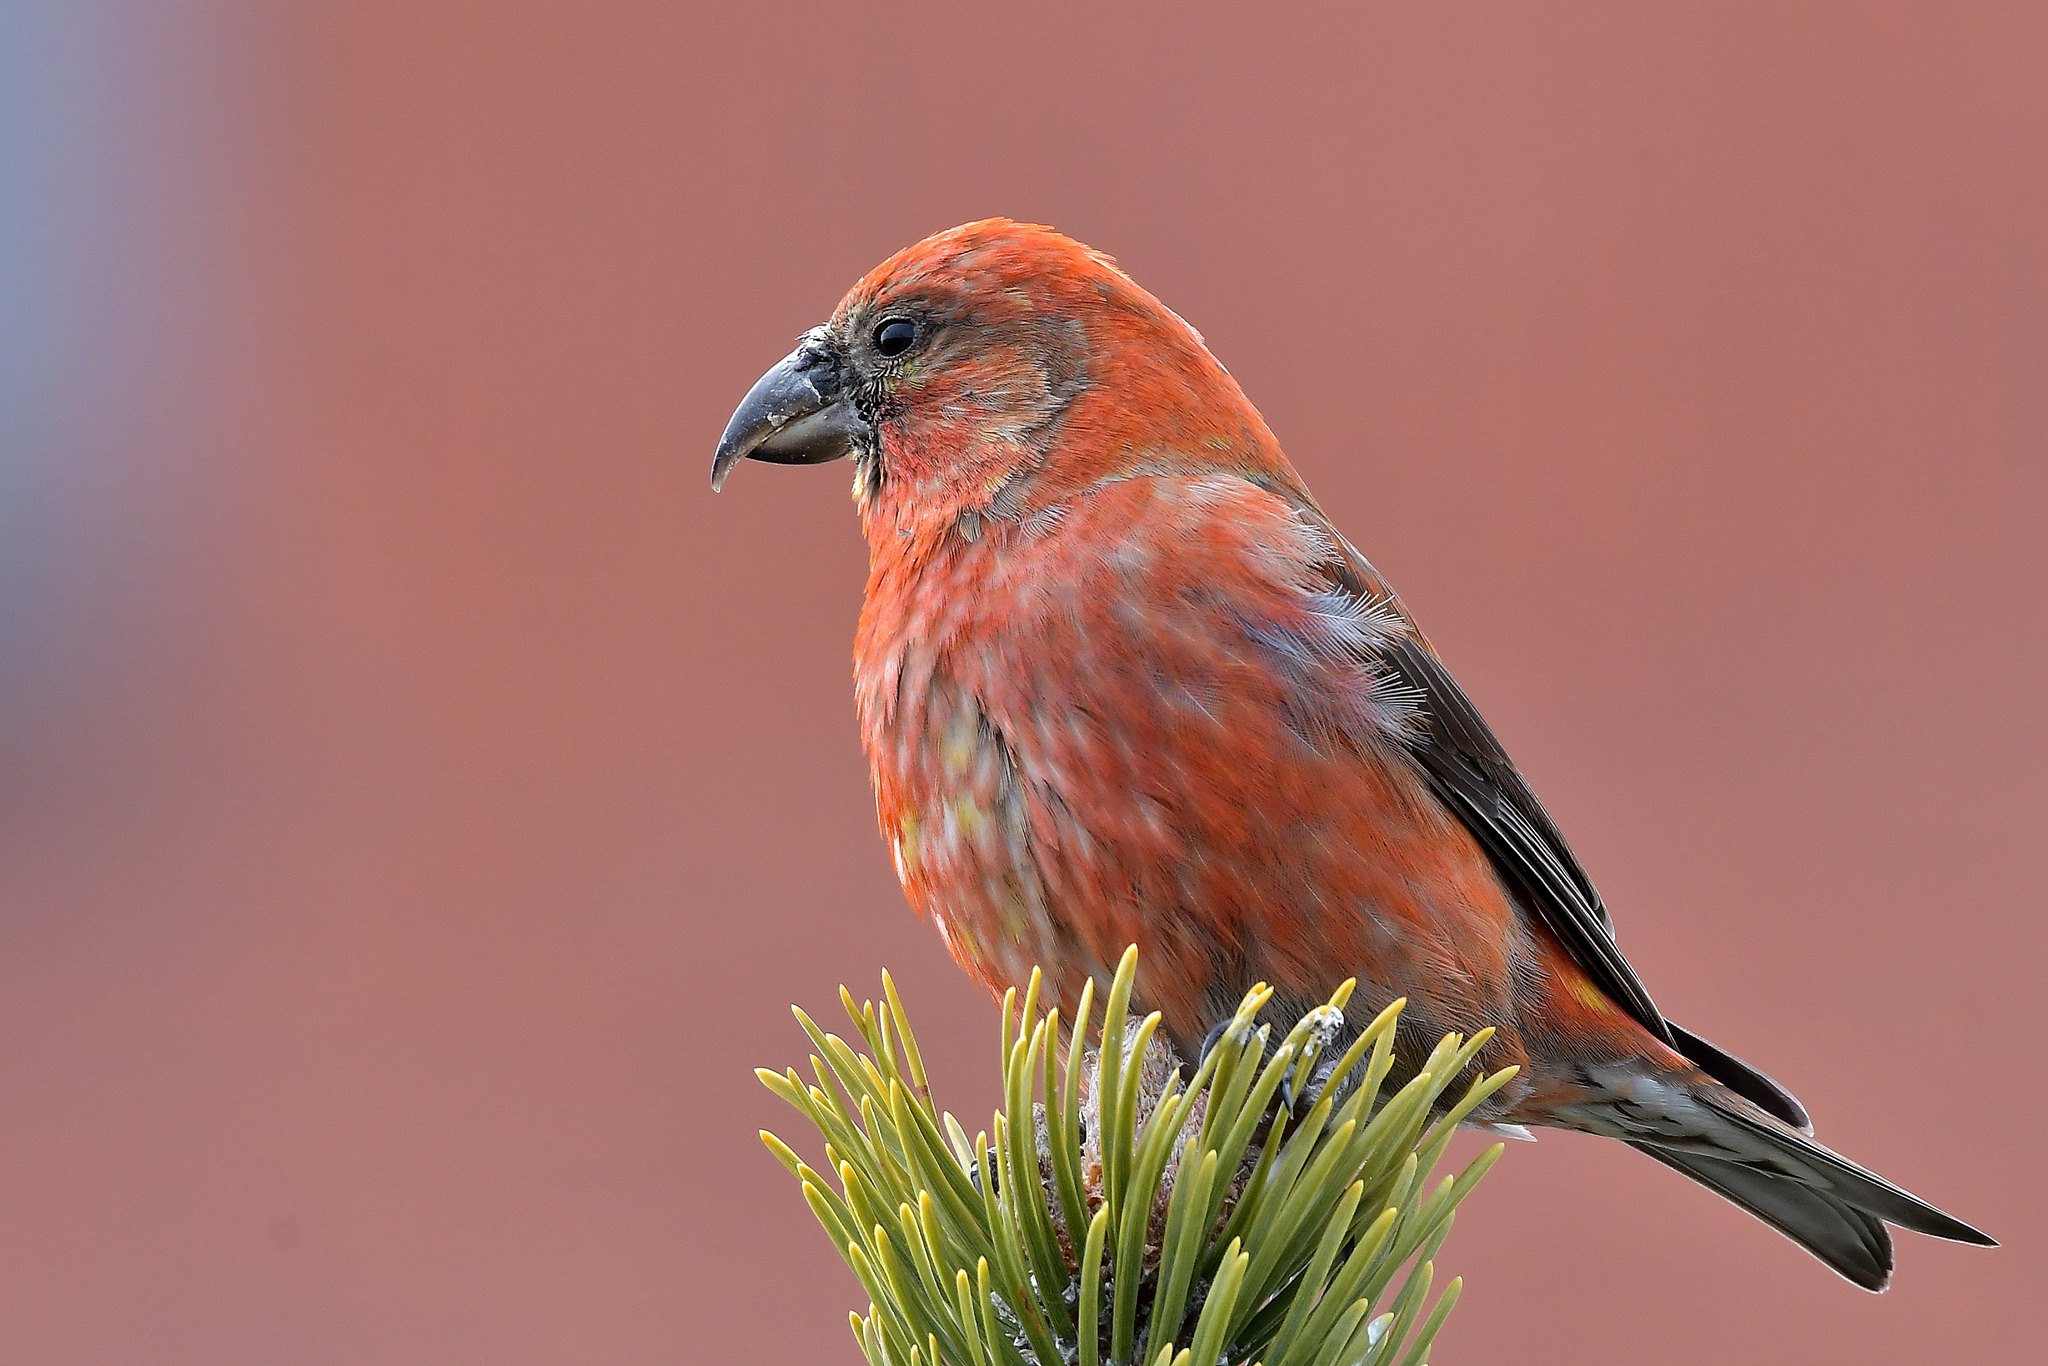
(1725, 1141)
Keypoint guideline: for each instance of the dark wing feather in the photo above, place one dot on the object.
(1474, 777)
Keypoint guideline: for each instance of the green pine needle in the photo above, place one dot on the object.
(1115, 1215)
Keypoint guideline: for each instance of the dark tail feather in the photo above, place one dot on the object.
(1855, 1244)
(1744, 1080)
(1821, 1200)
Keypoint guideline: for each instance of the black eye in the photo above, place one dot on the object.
(893, 336)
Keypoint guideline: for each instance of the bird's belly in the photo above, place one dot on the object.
(1034, 833)
(953, 806)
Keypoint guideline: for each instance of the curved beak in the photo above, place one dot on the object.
(800, 413)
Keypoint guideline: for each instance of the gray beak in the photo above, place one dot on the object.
(800, 413)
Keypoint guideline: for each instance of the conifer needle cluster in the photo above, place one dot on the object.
(1276, 1208)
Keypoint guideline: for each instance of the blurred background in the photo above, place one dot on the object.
(420, 799)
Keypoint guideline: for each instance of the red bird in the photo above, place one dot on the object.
(1121, 682)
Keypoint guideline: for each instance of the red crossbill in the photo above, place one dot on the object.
(1120, 681)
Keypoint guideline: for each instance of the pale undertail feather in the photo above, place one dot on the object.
(1501, 1129)
(1819, 1199)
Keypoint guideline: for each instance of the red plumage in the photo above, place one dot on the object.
(1120, 681)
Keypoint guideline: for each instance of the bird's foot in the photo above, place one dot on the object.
(1295, 1099)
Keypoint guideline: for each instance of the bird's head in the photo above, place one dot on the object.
(990, 357)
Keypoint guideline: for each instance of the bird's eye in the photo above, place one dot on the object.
(893, 336)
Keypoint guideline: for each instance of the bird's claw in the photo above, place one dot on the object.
(1295, 1103)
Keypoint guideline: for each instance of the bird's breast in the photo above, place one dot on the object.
(951, 795)
(1137, 722)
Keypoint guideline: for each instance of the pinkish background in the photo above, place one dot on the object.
(420, 798)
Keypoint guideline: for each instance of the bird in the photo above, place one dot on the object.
(1121, 681)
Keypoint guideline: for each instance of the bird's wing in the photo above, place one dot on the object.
(1475, 779)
